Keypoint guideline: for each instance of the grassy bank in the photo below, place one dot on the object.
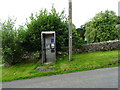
(81, 62)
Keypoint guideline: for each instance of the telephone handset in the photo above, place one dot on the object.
(52, 46)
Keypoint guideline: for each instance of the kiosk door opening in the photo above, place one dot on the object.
(48, 47)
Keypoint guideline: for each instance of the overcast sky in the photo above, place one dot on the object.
(83, 10)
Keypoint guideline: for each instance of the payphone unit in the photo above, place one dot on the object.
(48, 46)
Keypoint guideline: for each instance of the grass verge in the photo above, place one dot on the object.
(81, 62)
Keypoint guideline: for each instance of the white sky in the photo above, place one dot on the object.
(83, 10)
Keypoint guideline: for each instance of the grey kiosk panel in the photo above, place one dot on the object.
(48, 47)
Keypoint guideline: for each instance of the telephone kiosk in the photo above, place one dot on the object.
(48, 39)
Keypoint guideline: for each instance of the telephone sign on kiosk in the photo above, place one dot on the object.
(48, 46)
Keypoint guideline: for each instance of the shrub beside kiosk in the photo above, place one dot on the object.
(48, 42)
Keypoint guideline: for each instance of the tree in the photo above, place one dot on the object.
(81, 31)
(17, 43)
(11, 50)
(118, 20)
(49, 21)
(102, 27)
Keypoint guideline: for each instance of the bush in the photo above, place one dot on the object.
(49, 21)
(18, 43)
(12, 51)
(102, 27)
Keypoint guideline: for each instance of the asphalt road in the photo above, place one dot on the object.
(100, 78)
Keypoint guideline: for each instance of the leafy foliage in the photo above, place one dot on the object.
(17, 43)
(102, 27)
(81, 31)
(49, 21)
(12, 51)
(118, 20)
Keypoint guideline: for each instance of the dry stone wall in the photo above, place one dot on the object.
(101, 46)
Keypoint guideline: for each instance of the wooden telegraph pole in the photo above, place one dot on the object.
(70, 30)
(118, 25)
(119, 8)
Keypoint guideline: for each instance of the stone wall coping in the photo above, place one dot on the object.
(103, 42)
